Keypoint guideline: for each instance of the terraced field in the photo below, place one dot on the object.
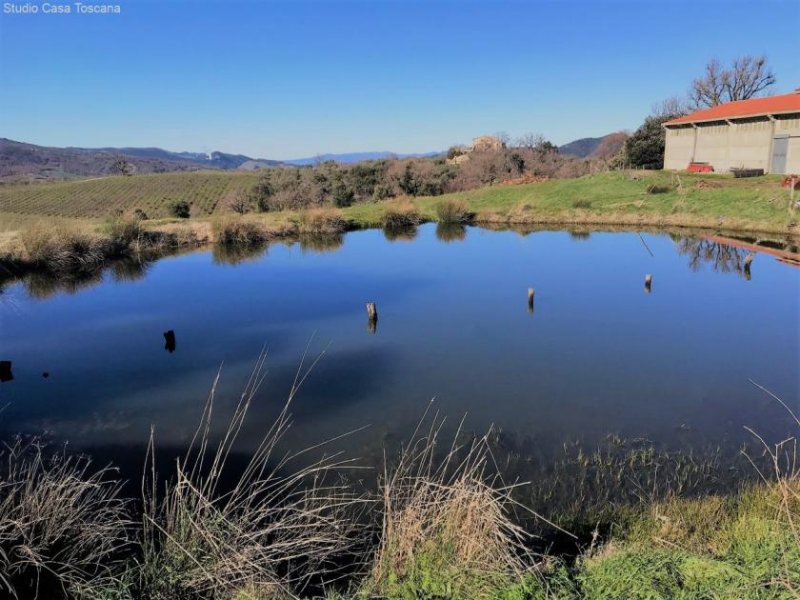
(205, 191)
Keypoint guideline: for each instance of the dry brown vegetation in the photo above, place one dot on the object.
(63, 525)
(264, 533)
(402, 213)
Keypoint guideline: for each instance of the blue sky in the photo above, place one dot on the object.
(283, 80)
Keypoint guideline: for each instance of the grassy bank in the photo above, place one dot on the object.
(81, 217)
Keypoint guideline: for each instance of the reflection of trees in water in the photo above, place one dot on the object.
(400, 233)
(451, 232)
(579, 235)
(129, 269)
(42, 284)
(321, 242)
(721, 257)
(234, 254)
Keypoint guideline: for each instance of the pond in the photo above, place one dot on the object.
(597, 353)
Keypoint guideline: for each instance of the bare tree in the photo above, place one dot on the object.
(746, 78)
(240, 203)
(121, 165)
(749, 76)
(531, 141)
(673, 106)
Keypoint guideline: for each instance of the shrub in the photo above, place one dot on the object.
(453, 211)
(123, 231)
(240, 203)
(180, 209)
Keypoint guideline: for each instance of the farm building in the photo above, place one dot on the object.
(761, 133)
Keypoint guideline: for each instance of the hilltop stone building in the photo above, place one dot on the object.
(760, 133)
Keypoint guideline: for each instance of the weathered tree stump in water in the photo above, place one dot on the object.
(648, 283)
(372, 315)
(169, 339)
(5, 371)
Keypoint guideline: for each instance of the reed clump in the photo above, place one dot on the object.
(398, 215)
(61, 247)
(261, 532)
(230, 230)
(64, 526)
(322, 221)
(454, 212)
(447, 525)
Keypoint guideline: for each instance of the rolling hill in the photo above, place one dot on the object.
(20, 161)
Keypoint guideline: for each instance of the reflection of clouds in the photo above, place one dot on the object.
(85, 427)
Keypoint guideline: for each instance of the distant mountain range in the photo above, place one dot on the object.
(353, 157)
(19, 160)
(27, 162)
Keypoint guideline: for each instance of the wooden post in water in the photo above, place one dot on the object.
(372, 315)
(648, 283)
(531, 293)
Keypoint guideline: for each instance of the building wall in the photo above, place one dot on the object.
(736, 144)
(791, 127)
(679, 148)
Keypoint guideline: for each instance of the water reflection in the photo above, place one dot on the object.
(451, 232)
(130, 269)
(321, 242)
(400, 233)
(235, 254)
(721, 257)
(579, 235)
(43, 284)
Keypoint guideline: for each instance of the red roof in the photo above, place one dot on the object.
(785, 103)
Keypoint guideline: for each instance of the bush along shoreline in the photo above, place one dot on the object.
(439, 522)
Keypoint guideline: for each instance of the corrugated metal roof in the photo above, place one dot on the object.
(784, 103)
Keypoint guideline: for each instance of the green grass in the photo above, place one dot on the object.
(613, 197)
(718, 202)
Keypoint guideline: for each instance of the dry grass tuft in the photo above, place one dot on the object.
(324, 221)
(231, 230)
(454, 211)
(447, 524)
(270, 530)
(60, 247)
(63, 526)
(400, 214)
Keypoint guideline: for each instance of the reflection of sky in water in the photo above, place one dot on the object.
(597, 355)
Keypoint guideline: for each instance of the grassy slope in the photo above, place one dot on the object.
(737, 547)
(714, 201)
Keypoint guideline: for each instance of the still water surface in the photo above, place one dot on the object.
(597, 354)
